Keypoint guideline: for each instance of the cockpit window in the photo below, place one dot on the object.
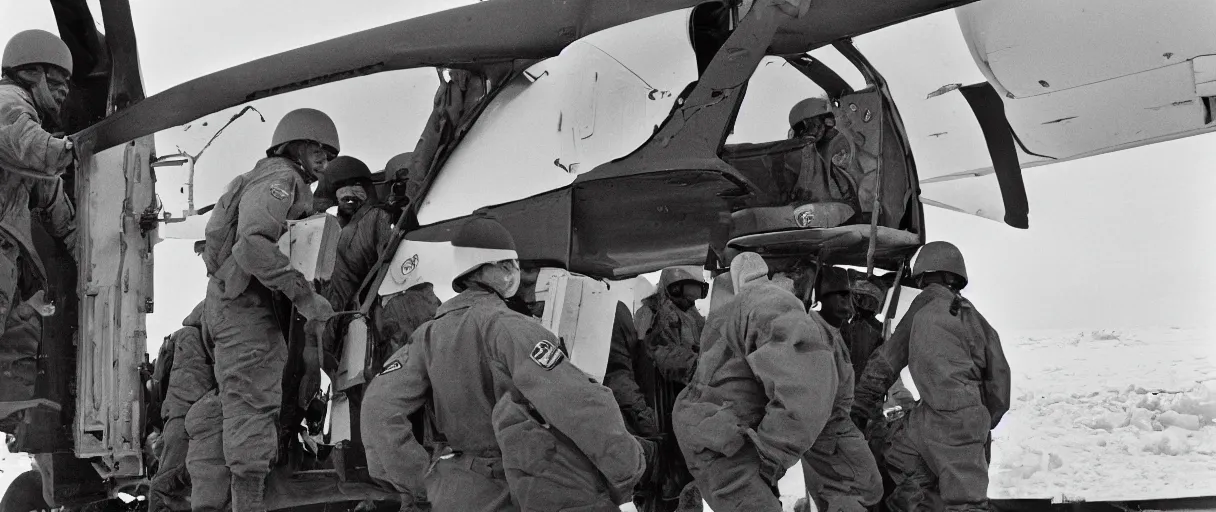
(841, 65)
(772, 91)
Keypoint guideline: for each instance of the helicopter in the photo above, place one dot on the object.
(636, 172)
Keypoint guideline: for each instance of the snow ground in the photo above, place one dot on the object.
(1102, 416)
(1108, 415)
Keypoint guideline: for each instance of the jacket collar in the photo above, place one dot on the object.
(937, 291)
(473, 296)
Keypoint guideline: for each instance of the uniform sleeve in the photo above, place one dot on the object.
(394, 455)
(642, 320)
(620, 377)
(567, 398)
(164, 364)
(355, 262)
(899, 394)
(997, 387)
(24, 141)
(882, 370)
(262, 221)
(794, 361)
(51, 198)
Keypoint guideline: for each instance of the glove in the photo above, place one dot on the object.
(66, 156)
(315, 308)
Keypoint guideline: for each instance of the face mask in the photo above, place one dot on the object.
(43, 97)
(351, 193)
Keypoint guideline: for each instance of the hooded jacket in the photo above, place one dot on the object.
(30, 162)
(767, 375)
(671, 335)
(954, 356)
(190, 368)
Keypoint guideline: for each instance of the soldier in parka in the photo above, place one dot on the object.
(525, 429)
(938, 454)
(670, 328)
(189, 376)
(839, 471)
(35, 69)
(247, 275)
(761, 394)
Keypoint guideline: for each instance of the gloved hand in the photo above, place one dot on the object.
(650, 449)
(66, 154)
(315, 308)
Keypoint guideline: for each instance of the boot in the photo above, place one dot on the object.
(248, 493)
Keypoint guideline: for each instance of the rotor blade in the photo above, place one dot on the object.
(990, 111)
(484, 32)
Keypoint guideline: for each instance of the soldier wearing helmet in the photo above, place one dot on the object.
(955, 357)
(397, 175)
(822, 172)
(812, 117)
(669, 327)
(762, 391)
(34, 74)
(839, 470)
(863, 333)
(347, 183)
(525, 429)
(247, 272)
(366, 233)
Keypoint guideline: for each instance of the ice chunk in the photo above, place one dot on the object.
(1109, 421)
(1172, 441)
(1174, 419)
(1142, 419)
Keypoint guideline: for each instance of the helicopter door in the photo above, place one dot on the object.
(114, 189)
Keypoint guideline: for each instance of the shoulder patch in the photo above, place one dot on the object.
(392, 367)
(279, 191)
(547, 354)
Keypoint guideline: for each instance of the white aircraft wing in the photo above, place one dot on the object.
(1075, 79)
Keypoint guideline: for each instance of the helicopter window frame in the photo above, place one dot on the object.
(814, 66)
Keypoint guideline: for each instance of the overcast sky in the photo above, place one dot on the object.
(1118, 240)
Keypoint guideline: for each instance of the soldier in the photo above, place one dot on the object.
(36, 67)
(839, 471)
(762, 391)
(525, 428)
(670, 329)
(938, 453)
(246, 271)
(190, 376)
